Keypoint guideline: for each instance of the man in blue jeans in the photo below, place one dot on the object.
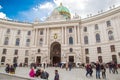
(98, 67)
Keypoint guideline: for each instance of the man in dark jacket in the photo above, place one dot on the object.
(56, 75)
(98, 70)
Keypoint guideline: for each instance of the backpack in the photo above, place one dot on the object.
(44, 75)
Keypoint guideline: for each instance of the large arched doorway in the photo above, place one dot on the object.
(55, 53)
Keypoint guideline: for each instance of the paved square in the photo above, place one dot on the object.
(74, 74)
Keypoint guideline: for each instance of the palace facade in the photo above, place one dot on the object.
(62, 39)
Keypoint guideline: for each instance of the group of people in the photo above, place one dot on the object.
(42, 74)
(11, 68)
(100, 68)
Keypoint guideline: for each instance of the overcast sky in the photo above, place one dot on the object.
(28, 10)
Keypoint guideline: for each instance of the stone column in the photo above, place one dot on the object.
(65, 36)
(62, 36)
(36, 37)
(78, 34)
(47, 35)
(44, 36)
(75, 35)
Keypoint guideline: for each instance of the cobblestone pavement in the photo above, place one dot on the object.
(74, 74)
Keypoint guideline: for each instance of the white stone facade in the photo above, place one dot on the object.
(44, 34)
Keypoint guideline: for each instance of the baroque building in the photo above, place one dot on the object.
(62, 39)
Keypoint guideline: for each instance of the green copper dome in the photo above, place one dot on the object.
(63, 11)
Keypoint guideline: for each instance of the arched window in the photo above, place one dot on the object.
(17, 42)
(3, 59)
(6, 41)
(96, 27)
(110, 35)
(28, 42)
(97, 37)
(85, 39)
(70, 40)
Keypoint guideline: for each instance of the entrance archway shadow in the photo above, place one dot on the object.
(55, 53)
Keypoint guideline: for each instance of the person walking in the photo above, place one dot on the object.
(115, 68)
(7, 69)
(98, 70)
(56, 75)
(66, 66)
(103, 70)
(87, 69)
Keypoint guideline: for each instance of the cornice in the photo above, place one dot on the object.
(101, 15)
(14, 23)
(57, 22)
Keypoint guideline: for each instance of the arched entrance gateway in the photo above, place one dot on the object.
(55, 53)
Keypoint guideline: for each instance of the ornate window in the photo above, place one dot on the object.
(8, 31)
(86, 51)
(28, 42)
(6, 41)
(110, 35)
(71, 50)
(85, 29)
(112, 47)
(70, 30)
(87, 59)
(114, 58)
(100, 59)
(70, 40)
(26, 60)
(18, 32)
(96, 27)
(41, 32)
(99, 49)
(85, 39)
(41, 41)
(29, 33)
(108, 23)
(15, 59)
(38, 50)
(17, 42)
(4, 51)
(26, 53)
(3, 59)
(16, 52)
(97, 38)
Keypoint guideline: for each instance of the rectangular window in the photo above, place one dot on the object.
(29, 33)
(4, 51)
(99, 49)
(26, 53)
(85, 29)
(41, 32)
(16, 52)
(87, 59)
(112, 48)
(18, 32)
(108, 23)
(70, 30)
(8, 31)
(86, 51)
